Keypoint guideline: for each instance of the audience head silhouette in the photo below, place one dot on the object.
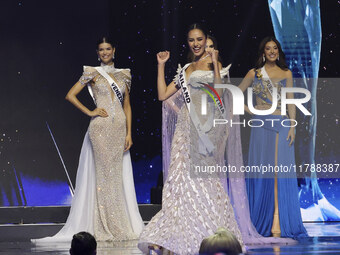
(222, 242)
(83, 243)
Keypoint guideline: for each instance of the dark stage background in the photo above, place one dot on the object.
(44, 45)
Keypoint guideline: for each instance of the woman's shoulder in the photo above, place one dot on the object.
(186, 66)
(287, 73)
(89, 69)
(124, 71)
(125, 75)
(253, 71)
(284, 73)
(89, 74)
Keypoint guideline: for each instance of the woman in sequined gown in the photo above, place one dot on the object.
(194, 203)
(273, 197)
(104, 202)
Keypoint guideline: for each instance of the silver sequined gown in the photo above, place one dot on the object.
(107, 135)
(193, 206)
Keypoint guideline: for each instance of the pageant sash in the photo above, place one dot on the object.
(270, 85)
(112, 83)
(181, 81)
(215, 97)
(183, 85)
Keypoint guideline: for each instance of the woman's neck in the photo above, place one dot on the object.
(199, 58)
(270, 65)
(107, 64)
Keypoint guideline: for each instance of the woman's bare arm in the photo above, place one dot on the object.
(72, 97)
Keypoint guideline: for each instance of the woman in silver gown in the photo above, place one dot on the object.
(194, 202)
(104, 202)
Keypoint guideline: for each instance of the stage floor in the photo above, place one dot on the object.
(325, 240)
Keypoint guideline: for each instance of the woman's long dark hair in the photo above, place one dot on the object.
(281, 62)
(199, 27)
(106, 39)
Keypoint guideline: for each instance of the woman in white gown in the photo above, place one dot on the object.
(104, 203)
(194, 204)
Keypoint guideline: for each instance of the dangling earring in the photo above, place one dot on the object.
(99, 59)
(278, 58)
(263, 58)
(113, 56)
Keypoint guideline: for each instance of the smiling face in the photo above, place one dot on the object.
(197, 41)
(210, 44)
(105, 53)
(271, 51)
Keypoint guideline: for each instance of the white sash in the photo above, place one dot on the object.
(112, 83)
(224, 72)
(220, 105)
(205, 141)
(270, 85)
(184, 87)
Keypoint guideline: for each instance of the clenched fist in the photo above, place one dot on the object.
(163, 56)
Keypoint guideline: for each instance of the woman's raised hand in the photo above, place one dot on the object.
(213, 54)
(163, 56)
(99, 112)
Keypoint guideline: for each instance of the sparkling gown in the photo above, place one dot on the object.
(104, 202)
(194, 204)
(234, 184)
(107, 136)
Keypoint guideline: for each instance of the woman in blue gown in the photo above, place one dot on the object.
(272, 188)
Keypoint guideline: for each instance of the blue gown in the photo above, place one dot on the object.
(260, 187)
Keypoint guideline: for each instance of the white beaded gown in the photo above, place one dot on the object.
(194, 204)
(104, 202)
(107, 136)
